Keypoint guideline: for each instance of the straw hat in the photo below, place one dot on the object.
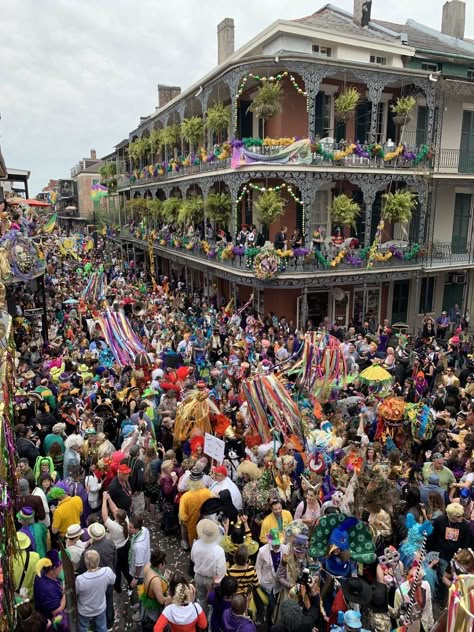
(208, 531)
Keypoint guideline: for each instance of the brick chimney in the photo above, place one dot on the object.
(167, 94)
(454, 18)
(225, 40)
(93, 154)
(362, 10)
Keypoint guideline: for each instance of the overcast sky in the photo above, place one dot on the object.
(78, 74)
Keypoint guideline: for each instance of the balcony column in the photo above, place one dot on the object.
(433, 95)
(422, 190)
(234, 182)
(204, 185)
(369, 192)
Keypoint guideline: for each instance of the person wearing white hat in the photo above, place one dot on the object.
(208, 558)
(108, 557)
(74, 545)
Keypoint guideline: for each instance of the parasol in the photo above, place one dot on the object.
(19, 200)
(70, 301)
(375, 375)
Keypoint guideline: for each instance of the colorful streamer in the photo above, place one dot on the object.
(271, 406)
(94, 292)
(120, 337)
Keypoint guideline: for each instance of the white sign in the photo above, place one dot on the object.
(214, 447)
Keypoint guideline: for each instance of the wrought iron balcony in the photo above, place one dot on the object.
(455, 161)
(326, 153)
(330, 260)
(442, 254)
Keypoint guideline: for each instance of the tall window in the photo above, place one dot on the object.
(401, 293)
(320, 214)
(466, 157)
(322, 119)
(421, 125)
(363, 120)
(462, 213)
(427, 295)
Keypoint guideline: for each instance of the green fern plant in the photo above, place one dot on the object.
(269, 207)
(170, 209)
(344, 210)
(218, 119)
(134, 151)
(268, 100)
(155, 141)
(219, 207)
(192, 130)
(154, 208)
(191, 210)
(170, 136)
(403, 106)
(398, 207)
(347, 101)
(136, 205)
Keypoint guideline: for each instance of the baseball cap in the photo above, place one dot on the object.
(433, 479)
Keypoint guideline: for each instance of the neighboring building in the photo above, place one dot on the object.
(16, 182)
(85, 174)
(316, 58)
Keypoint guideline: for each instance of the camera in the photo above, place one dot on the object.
(305, 578)
(221, 517)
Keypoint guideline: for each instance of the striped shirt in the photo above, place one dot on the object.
(246, 578)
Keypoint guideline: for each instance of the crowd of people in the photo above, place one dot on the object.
(360, 518)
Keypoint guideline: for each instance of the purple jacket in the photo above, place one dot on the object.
(236, 623)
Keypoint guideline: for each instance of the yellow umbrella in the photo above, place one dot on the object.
(375, 375)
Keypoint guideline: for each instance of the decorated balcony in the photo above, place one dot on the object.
(284, 152)
(266, 263)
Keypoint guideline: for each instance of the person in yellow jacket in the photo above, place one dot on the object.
(279, 519)
(24, 565)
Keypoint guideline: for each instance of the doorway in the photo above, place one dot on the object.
(318, 307)
(340, 310)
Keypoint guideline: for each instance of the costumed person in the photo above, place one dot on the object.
(414, 592)
(44, 465)
(278, 519)
(24, 567)
(49, 595)
(190, 504)
(36, 531)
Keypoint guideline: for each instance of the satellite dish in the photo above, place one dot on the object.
(338, 294)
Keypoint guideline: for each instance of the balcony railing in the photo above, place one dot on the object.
(328, 154)
(455, 161)
(439, 254)
(304, 260)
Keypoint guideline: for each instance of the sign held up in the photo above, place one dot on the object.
(214, 447)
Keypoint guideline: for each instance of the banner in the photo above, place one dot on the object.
(298, 153)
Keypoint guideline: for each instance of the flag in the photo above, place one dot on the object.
(50, 225)
(98, 191)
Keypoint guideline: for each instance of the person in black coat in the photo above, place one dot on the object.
(280, 239)
(27, 446)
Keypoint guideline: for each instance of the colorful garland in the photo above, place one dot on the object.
(223, 152)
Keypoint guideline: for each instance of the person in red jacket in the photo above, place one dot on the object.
(183, 615)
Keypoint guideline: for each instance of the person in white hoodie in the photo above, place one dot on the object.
(268, 560)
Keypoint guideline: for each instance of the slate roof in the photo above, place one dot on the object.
(423, 37)
(332, 18)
